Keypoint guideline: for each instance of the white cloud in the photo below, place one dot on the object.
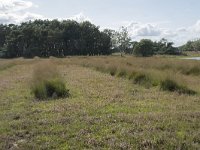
(139, 29)
(79, 18)
(14, 5)
(182, 30)
(195, 28)
(13, 11)
(153, 31)
(18, 18)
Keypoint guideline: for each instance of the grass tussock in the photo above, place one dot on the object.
(47, 82)
(112, 70)
(143, 79)
(192, 71)
(122, 73)
(173, 86)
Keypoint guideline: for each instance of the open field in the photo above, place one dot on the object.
(115, 103)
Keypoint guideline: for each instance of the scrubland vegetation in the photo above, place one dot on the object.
(115, 103)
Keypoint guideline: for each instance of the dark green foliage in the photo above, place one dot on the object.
(144, 48)
(56, 88)
(191, 46)
(46, 38)
(164, 47)
(173, 86)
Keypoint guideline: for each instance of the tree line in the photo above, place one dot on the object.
(121, 42)
(191, 46)
(46, 38)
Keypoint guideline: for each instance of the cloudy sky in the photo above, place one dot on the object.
(176, 20)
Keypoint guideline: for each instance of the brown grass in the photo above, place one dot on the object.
(155, 69)
(103, 111)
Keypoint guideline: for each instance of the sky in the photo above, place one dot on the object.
(175, 20)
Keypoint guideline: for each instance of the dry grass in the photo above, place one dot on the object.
(103, 111)
(155, 69)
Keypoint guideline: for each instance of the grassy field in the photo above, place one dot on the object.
(115, 103)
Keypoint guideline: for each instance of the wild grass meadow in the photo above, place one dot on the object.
(106, 102)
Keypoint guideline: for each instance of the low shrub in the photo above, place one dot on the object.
(112, 70)
(193, 71)
(122, 73)
(47, 82)
(143, 79)
(100, 68)
(173, 86)
(132, 75)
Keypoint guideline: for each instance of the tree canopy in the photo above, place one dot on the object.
(144, 48)
(191, 46)
(147, 47)
(46, 38)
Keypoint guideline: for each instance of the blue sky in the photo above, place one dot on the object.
(105, 12)
(176, 20)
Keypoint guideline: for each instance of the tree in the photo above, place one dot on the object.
(165, 47)
(46, 38)
(191, 46)
(113, 35)
(124, 41)
(144, 48)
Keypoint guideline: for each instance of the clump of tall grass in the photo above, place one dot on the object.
(47, 82)
(131, 75)
(112, 70)
(122, 73)
(173, 86)
(143, 79)
(195, 70)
